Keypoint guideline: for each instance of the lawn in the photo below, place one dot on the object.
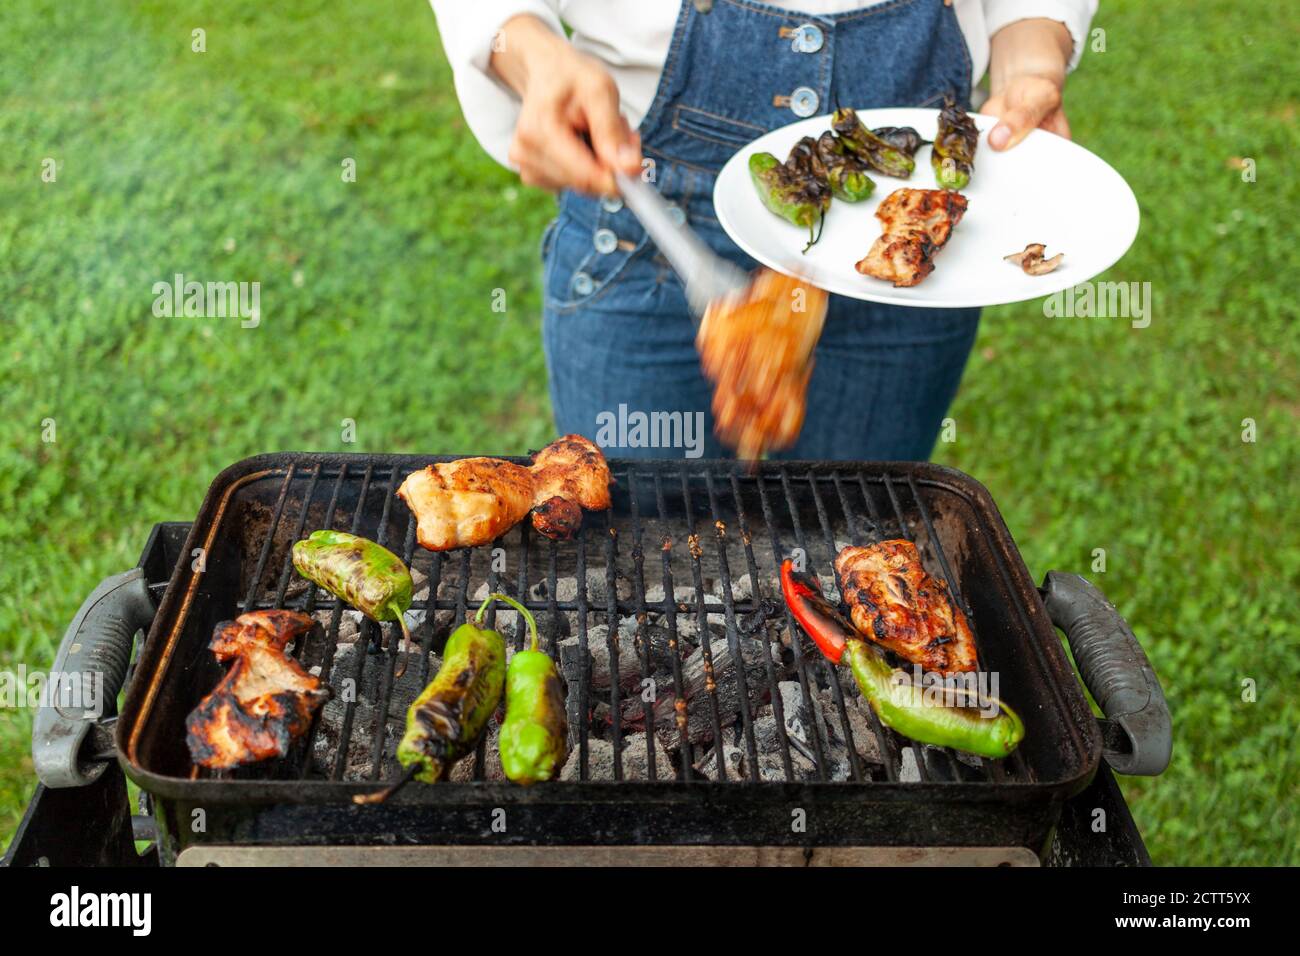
(377, 306)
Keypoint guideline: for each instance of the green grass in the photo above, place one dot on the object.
(226, 165)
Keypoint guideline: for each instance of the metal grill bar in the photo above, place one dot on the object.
(702, 619)
(819, 664)
(363, 638)
(584, 665)
(752, 567)
(265, 552)
(611, 643)
(385, 690)
(670, 610)
(331, 632)
(733, 640)
(638, 585)
(837, 691)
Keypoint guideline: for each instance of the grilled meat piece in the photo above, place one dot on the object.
(916, 224)
(894, 602)
(757, 350)
(275, 629)
(466, 503)
(1032, 259)
(264, 702)
(569, 474)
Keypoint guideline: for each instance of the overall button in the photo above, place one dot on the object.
(804, 101)
(677, 214)
(605, 241)
(582, 284)
(807, 38)
(611, 204)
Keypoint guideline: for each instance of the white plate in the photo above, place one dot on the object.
(1045, 190)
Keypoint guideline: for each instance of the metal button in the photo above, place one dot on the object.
(677, 214)
(582, 284)
(808, 38)
(611, 204)
(804, 101)
(605, 241)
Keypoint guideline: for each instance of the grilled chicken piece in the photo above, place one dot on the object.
(916, 224)
(569, 474)
(466, 503)
(264, 702)
(894, 602)
(757, 350)
(275, 629)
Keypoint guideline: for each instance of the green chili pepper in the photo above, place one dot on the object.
(534, 738)
(445, 722)
(846, 173)
(901, 704)
(364, 574)
(869, 147)
(793, 192)
(953, 155)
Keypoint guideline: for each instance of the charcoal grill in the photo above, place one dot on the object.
(770, 751)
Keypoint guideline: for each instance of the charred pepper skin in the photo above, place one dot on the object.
(901, 137)
(898, 702)
(792, 191)
(846, 173)
(953, 155)
(446, 721)
(356, 570)
(870, 148)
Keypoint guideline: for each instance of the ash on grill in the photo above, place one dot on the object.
(713, 722)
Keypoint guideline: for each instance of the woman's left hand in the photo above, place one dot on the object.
(1027, 65)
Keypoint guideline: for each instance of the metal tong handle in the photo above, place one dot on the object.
(705, 275)
(1116, 670)
(91, 664)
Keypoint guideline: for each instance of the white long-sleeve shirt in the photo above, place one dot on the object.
(631, 38)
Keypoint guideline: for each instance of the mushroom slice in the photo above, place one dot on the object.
(1032, 261)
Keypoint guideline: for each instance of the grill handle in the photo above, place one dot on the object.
(1115, 669)
(89, 671)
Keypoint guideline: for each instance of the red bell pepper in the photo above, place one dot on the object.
(820, 621)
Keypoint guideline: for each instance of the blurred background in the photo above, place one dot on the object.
(376, 301)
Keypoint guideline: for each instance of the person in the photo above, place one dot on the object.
(671, 93)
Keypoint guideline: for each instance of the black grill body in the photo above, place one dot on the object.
(672, 554)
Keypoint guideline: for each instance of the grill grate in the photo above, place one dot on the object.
(706, 521)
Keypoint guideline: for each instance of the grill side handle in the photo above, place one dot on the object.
(1116, 671)
(89, 671)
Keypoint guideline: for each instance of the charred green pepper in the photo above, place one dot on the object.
(845, 172)
(870, 148)
(953, 156)
(901, 137)
(901, 704)
(445, 722)
(897, 701)
(534, 738)
(364, 574)
(792, 190)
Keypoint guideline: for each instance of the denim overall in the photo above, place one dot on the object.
(616, 327)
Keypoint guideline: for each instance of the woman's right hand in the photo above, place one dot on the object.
(569, 100)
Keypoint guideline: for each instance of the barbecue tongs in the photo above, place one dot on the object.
(705, 275)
